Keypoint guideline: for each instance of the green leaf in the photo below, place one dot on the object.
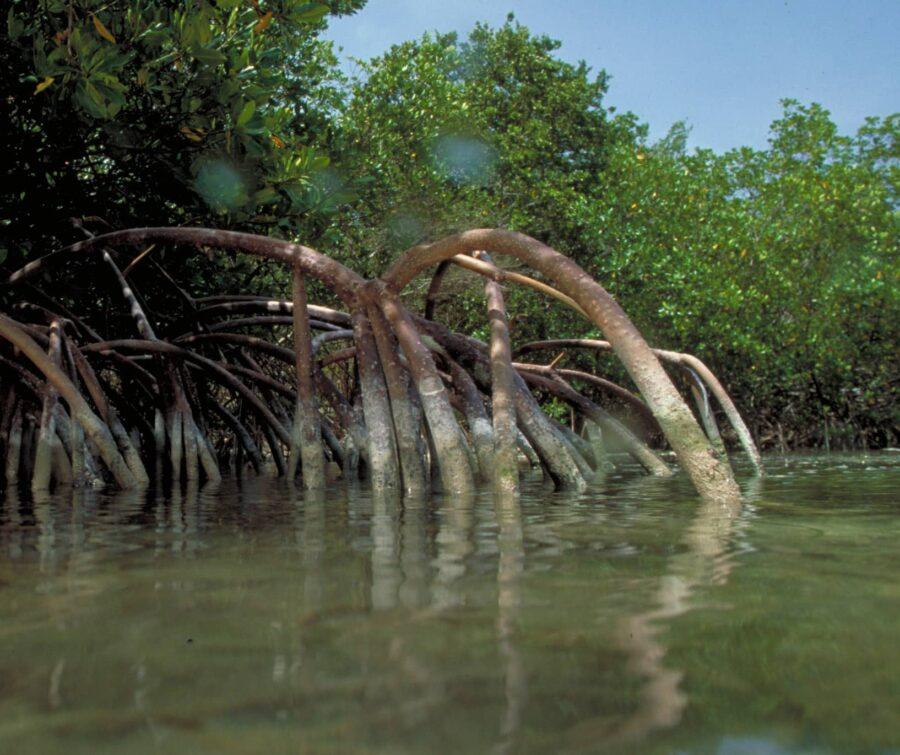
(253, 148)
(95, 94)
(207, 55)
(90, 99)
(56, 59)
(256, 125)
(14, 27)
(266, 195)
(154, 37)
(246, 113)
(309, 13)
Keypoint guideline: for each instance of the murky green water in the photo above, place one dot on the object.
(627, 619)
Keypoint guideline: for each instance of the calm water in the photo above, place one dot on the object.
(627, 619)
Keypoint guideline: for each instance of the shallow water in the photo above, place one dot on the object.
(630, 618)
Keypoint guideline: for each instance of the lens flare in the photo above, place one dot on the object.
(465, 160)
(221, 185)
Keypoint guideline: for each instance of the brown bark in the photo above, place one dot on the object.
(13, 448)
(711, 476)
(480, 426)
(109, 415)
(341, 280)
(267, 321)
(506, 463)
(434, 288)
(639, 450)
(449, 444)
(552, 449)
(607, 386)
(216, 371)
(93, 426)
(306, 438)
(47, 440)
(406, 424)
(686, 361)
(384, 465)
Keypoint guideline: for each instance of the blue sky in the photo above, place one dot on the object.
(721, 66)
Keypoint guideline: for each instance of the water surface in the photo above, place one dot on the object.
(630, 618)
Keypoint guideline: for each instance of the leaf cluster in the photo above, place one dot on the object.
(166, 112)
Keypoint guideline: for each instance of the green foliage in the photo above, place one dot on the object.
(777, 266)
(493, 130)
(165, 112)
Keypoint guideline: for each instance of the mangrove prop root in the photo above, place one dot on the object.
(306, 436)
(449, 443)
(700, 375)
(710, 474)
(94, 428)
(399, 385)
(191, 392)
(639, 450)
(47, 441)
(381, 441)
(506, 464)
(480, 426)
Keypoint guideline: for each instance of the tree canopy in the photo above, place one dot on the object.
(778, 266)
(492, 130)
(149, 112)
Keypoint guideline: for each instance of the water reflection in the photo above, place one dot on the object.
(414, 566)
(510, 567)
(312, 549)
(454, 546)
(11, 527)
(190, 619)
(705, 561)
(386, 573)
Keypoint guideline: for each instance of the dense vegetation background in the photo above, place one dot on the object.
(778, 267)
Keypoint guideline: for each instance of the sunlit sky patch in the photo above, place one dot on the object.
(722, 66)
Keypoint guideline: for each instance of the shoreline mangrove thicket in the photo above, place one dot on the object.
(776, 267)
